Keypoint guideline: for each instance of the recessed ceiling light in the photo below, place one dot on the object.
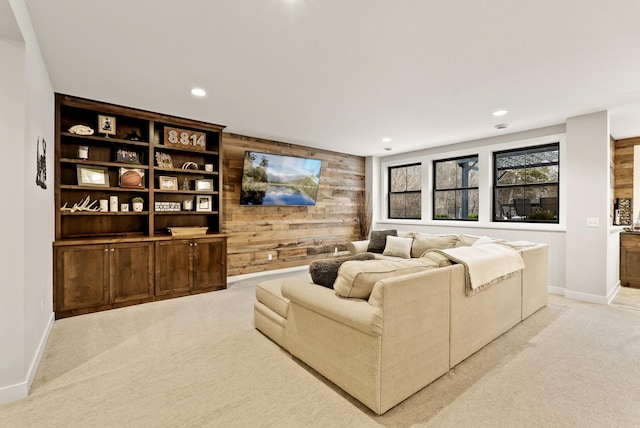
(500, 112)
(198, 92)
(501, 126)
(386, 140)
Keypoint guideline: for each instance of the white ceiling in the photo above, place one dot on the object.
(341, 75)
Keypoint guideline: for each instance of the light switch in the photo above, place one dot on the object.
(593, 222)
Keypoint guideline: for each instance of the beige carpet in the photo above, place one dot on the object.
(628, 298)
(198, 361)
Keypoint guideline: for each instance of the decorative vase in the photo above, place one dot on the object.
(137, 206)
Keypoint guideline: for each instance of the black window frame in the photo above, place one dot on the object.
(500, 212)
(419, 192)
(454, 189)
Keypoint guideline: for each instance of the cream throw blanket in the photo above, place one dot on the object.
(484, 264)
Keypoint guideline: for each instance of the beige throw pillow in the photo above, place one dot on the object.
(466, 240)
(423, 242)
(357, 278)
(398, 247)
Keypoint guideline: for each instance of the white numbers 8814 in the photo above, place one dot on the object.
(185, 137)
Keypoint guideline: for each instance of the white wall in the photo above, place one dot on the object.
(583, 261)
(553, 235)
(12, 125)
(589, 261)
(26, 303)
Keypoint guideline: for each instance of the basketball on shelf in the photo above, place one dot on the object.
(131, 179)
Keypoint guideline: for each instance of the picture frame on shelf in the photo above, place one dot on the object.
(97, 176)
(167, 183)
(164, 160)
(203, 203)
(205, 185)
(131, 177)
(106, 125)
(127, 156)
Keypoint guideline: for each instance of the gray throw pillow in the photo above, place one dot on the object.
(378, 240)
(324, 272)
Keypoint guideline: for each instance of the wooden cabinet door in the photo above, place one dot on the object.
(173, 266)
(131, 271)
(82, 276)
(210, 264)
(630, 259)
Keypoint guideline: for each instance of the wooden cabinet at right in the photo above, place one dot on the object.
(185, 266)
(630, 259)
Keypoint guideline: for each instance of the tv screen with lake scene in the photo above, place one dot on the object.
(279, 180)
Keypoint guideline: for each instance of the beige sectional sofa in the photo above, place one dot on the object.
(412, 327)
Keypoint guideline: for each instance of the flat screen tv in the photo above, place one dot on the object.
(274, 180)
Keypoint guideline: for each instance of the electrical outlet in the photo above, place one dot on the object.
(593, 222)
(270, 257)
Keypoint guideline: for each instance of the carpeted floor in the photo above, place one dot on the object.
(197, 361)
(628, 298)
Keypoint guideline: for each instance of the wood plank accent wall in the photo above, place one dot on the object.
(623, 167)
(294, 236)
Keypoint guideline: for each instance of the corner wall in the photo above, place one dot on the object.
(26, 114)
(293, 236)
(12, 333)
(589, 259)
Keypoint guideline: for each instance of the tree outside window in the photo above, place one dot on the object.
(405, 195)
(455, 194)
(526, 184)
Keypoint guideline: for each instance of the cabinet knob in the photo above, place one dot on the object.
(106, 250)
(112, 250)
(191, 244)
(195, 245)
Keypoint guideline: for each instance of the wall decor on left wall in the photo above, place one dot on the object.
(41, 163)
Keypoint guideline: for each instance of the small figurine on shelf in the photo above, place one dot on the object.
(133, 136)
(185, 184)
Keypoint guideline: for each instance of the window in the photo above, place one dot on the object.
(526, 183)
(455, 191)
(405, 196)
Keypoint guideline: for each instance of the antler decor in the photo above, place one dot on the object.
(82, 205)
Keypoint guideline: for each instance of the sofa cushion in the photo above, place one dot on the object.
(398, 247)
(357, 278)
(487, 240)
(519, 245)
(378, 240)
(268, 293)
(466, 240)
(324, 272)
(423, 242)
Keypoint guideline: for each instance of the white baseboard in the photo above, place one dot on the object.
(20, 390)
(585, 297)
(555, 290)
(613, 292)
(31, 374)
